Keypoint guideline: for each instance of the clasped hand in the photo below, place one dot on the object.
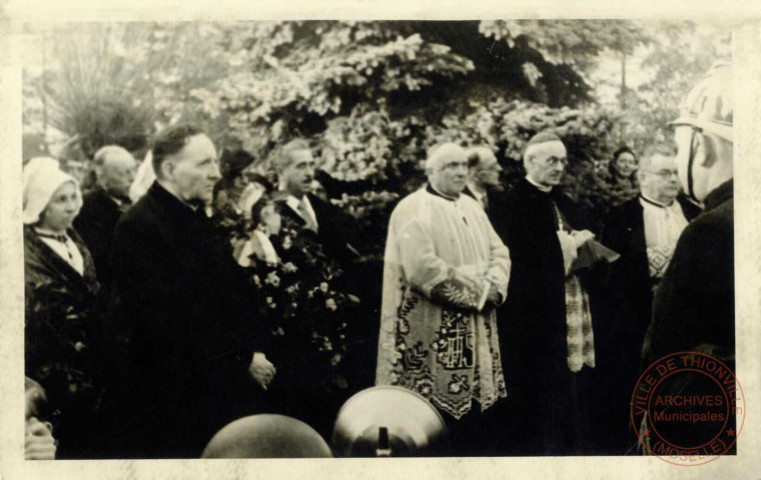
(262, 370)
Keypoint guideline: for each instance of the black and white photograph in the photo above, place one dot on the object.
(305, 239)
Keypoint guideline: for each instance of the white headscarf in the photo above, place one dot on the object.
(41, 178)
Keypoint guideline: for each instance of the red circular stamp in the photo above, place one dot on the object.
(688, 409)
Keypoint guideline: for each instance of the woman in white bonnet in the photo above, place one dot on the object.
(60, 292)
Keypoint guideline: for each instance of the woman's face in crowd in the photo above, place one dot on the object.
(271, 219)
(625, 165)
(62, 209)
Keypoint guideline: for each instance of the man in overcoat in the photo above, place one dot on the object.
(197, 345)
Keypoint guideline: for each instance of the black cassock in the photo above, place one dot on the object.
(542, 413)
(193, 328)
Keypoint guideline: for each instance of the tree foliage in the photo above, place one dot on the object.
(371, 97)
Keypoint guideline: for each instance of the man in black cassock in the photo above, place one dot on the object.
(194, 332)
(543, 358)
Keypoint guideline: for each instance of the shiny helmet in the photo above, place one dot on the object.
(388, 421)
(709, 105)
(267, 436)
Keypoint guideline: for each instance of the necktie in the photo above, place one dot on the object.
(310, 222)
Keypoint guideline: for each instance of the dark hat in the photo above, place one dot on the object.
(260, 179)
(234, 161)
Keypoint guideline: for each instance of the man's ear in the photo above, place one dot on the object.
(167, 168)
(640, 175)
(527, 159)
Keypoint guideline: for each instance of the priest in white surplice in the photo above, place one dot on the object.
(445, 271)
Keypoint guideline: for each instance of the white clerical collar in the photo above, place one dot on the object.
(438, 192)
(655, 203)
(117, 201)
(542, 188)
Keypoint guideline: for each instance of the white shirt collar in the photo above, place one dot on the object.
(293, 202)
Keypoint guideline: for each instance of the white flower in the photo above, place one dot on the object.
(330, 304)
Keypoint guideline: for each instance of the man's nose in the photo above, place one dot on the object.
(215, 173)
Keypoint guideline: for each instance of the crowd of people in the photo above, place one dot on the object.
(182, 294)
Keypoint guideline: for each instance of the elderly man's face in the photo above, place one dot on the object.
(194, 170)
(450, 175)
(487, 171)
(118, 173)
(298, 175)
(546, 162)
(659, 179)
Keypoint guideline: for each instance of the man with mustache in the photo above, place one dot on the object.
(196, 341)
(336, 231)
(545, 326)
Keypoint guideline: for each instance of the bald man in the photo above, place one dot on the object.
(545, 327)
(102, 207)
(445, 272)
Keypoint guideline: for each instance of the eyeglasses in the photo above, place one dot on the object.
(552, 161)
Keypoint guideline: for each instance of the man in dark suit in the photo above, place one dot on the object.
(336, 231)
(644, 231)
(103, 206)
(197, 345)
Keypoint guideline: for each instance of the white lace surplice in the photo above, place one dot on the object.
(663, 226)
(449, 355)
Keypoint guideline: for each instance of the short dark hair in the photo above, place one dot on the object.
(258, 207)
(170, 141)
(622, 150)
